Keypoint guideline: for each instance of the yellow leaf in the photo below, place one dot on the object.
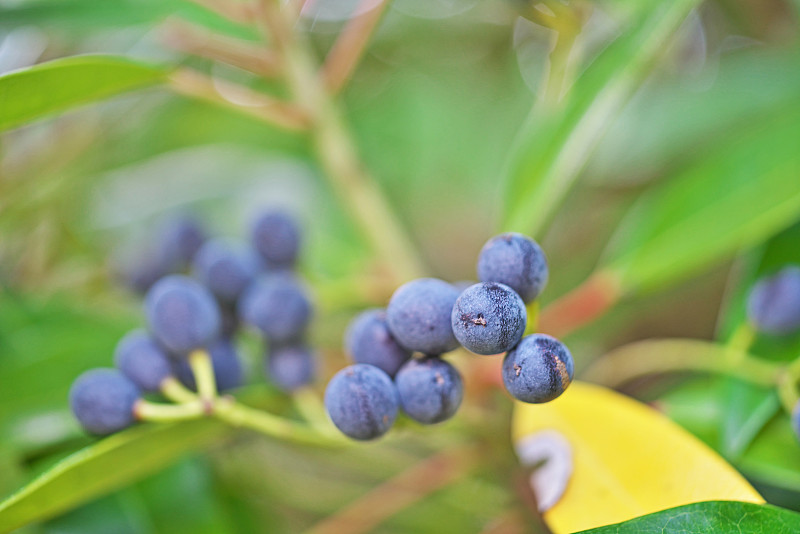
(628, 459)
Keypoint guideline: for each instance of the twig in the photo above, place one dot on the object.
(351, 44)
(258, 105)
(189, 39)
(401, 491)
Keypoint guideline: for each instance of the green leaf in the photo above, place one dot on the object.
(105, 466)
(709, 518)
(58, 85)
(774, 455)
(553, 147)
(736, 196)
(748, 408)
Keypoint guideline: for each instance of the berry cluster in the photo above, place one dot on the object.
(197, 293)
(432, 317)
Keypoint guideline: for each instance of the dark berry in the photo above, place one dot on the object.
(225, 268)
(362, 401)
(368, 340)
(103, 401)
(796, 419)
(179, 240)
(430, 389)
(276, 236)
(516, 261)
(419, 316)
(182, 314)
(489, 318)
(224, 360)
(538, 369)
(142, 360)
(278, 305)
(774, 302)
(291, 367)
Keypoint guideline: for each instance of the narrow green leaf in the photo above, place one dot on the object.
(748, 408)
(105, 466)
(553, 148)
(734, 197)
(709, 518)
(774, 455)
(55, 86)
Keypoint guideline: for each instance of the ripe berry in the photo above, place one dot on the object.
(142, 360)
(516, 261)
(224, 360)
(181, 314)
(796, 419)
(276, 237)
(489, 318)
(179, 240)
(430, 389)
(290, 367)
(368, 340)
(538, 369)
(419, 315)
(103, 401)
(362, 401)
(225, 268)
(774, 302)
(277, 305)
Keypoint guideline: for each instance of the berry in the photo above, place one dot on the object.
(368, 340)
(229, 321)
(489, 318)
(276, 237)
(774, 302)
(141, 268)
(180, 239)
(419, 315)
(796, 419)
(181, 314)
(103, 401)
(277, 305)
(226, 269)
(537, 370)
(142, 360)
(362, 401)
(224, 360)
(291, 367)
(516, 261)
(430, 389)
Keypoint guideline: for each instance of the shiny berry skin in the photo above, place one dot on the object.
(362, 401)
(773, 305)
(368, 340)
(489, 318)
(538, 369)
(516, 261)
(103, 401)
(418, 316)
(142, 360)
(430, 389)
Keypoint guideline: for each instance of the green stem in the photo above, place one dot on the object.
(173, 390)
(150, 411)
(200, 362)
(239, 415)
(787, 386)
(310, 407)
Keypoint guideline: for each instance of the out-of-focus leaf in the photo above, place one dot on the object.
(553, 148)
(741, 193)
(774, 455)
(747, 409)
(629, 460)
(48, 88)
(105, 466)
(709, 518)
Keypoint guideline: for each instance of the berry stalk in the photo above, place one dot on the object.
(200, 362)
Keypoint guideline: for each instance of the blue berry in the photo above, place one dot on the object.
(225, 268)
(277, 305)
(181, 314)
(362, 401)
(141, 268)
(368, 340)
(774, 302)
(103, 401)
(516, 261)
(224, 360)
(229, 321)
(419, 315)
(179, 240)
(489, 318)
(276, 237)
(291, 367)
(430, 389)
(796, 419)
(142, 360)
(538, 369)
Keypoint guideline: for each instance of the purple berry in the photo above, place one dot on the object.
(538, 369)
(225, 268)
(489, 318)
(516, 261)
(773, 306)
(276, 236)
(103, 400)
(368, 340)
(419, 316)
(142, 360)
(224, 360)
(291, 367)
(362, 401)
(430, 389)
(278, 305)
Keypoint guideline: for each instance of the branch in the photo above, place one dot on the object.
(237, 97)
(187, 38)
(351, 44)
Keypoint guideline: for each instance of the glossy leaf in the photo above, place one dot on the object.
(48, 88)
(105, 466)
(629, 459)
(709, 518)
(553, 147)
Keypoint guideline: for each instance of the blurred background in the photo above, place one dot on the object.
(434, 107)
